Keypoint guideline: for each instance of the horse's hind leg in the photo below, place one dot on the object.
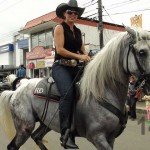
(23, 132)
(38, 135)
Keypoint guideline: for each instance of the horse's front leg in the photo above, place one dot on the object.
(101, 143)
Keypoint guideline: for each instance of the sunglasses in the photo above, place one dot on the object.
(70, 12)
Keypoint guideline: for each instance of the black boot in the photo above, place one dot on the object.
(67, 140)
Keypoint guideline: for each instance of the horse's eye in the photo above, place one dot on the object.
(142, 53)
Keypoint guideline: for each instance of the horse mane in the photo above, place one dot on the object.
(11, 78)
(106, 67)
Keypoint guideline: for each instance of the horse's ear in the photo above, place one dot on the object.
(131, 32)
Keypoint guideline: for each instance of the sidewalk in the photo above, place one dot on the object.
(140, 107)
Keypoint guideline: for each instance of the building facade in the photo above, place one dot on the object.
(13, 54)
(33, 46)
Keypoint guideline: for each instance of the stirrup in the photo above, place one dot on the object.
(67, 142)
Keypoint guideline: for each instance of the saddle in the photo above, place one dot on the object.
(47, 89)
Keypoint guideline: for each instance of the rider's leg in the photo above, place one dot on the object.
(64, 79)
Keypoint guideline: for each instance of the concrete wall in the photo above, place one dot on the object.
(92, 34)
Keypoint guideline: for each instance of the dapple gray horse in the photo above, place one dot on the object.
(100, 114)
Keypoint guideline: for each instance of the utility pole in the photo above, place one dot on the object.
(100, 24)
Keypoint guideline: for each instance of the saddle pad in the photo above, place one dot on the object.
(47, 88)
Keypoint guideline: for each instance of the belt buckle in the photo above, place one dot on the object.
(73, 63)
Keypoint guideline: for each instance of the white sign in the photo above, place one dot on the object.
(49, 62)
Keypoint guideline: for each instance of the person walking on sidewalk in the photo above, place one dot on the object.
(21, 72)
(132, 97)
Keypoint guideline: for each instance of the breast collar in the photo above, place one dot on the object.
(122, 116)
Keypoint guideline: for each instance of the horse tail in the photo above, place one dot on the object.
(6, 120)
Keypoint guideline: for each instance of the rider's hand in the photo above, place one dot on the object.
(85, 58)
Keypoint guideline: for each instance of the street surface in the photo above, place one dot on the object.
(135, 137)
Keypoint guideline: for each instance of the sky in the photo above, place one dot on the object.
(14, 14)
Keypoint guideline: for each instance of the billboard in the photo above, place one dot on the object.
(136, 21)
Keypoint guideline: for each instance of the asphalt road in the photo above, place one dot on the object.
(135, 137)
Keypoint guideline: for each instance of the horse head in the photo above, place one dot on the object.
(138, 54)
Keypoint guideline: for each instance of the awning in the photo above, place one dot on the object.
(31, 65)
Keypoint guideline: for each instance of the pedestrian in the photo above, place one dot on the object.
(21, 71)
(132, 98)
(69, 49)
(128, 104)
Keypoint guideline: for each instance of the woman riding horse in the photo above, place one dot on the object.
(100, 114)
(68, 42)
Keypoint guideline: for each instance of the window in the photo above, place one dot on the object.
(34, 41)
(41, 41)
(44, 39)
(49, 39)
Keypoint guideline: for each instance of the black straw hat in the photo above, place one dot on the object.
(72, 4)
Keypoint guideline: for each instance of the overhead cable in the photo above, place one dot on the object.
(127, 12)
(10, 6)
(89, 2)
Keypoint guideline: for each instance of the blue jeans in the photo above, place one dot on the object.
(64, 77)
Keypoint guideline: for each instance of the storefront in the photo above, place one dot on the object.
(39, 61)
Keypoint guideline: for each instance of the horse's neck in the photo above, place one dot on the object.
(117, 95)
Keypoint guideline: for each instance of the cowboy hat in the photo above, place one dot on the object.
(72, 4)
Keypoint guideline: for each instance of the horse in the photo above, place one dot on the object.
(15, 81)
(100, 114)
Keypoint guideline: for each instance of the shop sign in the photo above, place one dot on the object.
(49, 62)
(23, 44)
(38, 53)
(6, 48)
(31, 65)
(40, 64)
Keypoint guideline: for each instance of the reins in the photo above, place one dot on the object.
(47, 101)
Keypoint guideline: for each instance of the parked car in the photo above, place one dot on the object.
(4, 86)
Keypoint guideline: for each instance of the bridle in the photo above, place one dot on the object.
(132, 49)
(143, 74)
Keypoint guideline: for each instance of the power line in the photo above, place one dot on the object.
(11, 6)
(127, 12)
(90, 11)
(108, 14)
(123, 4)
(91, 15)
(88, 2)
